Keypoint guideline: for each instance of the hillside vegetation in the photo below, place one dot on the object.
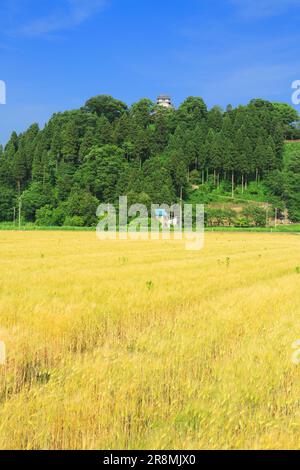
(58, 175)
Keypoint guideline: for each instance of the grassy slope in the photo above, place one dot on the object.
(257, 194)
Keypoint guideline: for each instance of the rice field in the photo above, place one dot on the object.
(144, 345)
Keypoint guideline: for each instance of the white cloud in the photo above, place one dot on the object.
(263, 8)
(71, 14)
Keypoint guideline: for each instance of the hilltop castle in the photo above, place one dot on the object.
(164, 101)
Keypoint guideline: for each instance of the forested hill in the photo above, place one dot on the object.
(106, 149)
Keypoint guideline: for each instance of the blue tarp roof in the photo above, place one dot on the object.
(160, 213)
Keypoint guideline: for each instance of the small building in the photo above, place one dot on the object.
(163, 217)
(164, 101)
(161, 213)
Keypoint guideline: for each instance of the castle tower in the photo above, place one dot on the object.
(164, 101)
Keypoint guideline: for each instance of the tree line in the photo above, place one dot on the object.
(59, 174)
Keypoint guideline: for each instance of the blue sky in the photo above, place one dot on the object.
(56, 54)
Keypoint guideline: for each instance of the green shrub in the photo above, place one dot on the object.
(220, 217)
(74, 221)
(34, 198)
(242, 222)
(81, 205)
(255, 215)
(48, 216)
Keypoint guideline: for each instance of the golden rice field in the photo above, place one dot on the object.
(144, 345)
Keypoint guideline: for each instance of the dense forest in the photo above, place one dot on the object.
(59, 174)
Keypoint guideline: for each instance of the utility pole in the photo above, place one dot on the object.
(276, 213)
(267, 215)
(181, 197)
(20, 211)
